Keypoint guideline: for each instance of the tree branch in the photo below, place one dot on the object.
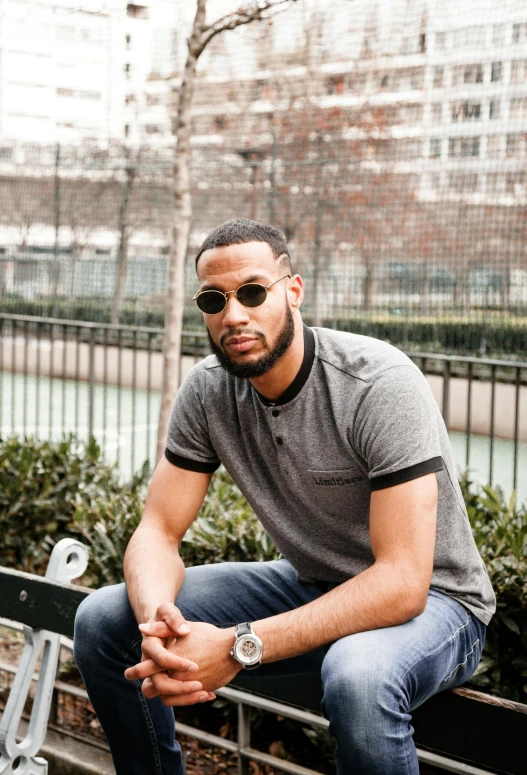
(258, 10)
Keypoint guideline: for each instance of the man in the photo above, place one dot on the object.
(338, 445)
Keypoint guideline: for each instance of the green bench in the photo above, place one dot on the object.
(457, 731)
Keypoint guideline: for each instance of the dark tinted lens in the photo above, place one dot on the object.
(251, 295)
(211, 302)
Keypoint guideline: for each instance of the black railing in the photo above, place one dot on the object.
(62, 376)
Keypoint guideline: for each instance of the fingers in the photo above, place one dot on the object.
(154, 649)
(143, 670)
(187, 694)
(159, 629)
(173, 619)
(161, 684)
(189, 699)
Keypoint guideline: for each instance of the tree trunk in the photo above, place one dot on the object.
(424, 289)
(506, 287)
(75, 250)
(367, 288)
(318, 265)
(122, 253)
(175, 298)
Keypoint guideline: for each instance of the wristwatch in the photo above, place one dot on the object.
(247, 648)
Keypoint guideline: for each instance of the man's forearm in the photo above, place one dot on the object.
(374, 599)
(153, 571)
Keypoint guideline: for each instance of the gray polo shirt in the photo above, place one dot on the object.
(359, 416)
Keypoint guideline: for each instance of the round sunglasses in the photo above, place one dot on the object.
(250, 295)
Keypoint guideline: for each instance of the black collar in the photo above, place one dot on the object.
(303, 373)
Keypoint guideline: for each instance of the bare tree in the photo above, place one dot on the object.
(201, 35)
(124, 236)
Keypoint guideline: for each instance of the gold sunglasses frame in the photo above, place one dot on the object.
(225, 295)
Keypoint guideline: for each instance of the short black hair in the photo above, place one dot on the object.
(238, 231)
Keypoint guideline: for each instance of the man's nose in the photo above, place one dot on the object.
(234, 314)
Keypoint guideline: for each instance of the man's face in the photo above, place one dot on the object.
(248, 341)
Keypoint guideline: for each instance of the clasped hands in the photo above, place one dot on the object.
(183, 662)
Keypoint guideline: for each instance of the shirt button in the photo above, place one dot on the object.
(279, 441)
(276, 413)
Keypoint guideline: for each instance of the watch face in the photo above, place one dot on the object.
(248, 650)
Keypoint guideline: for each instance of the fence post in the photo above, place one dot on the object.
(446, 392)
(92, 382)
(244, 737)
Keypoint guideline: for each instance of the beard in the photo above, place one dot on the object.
(267, 360)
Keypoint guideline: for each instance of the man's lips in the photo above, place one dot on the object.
(240, 344)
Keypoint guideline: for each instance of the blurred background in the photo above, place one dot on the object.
(386, 138)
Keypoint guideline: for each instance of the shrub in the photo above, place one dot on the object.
(500, 531)
(39, 483)
(49, 490)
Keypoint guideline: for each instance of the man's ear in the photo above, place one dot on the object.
(296, 291)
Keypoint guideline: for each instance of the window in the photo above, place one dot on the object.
(127, 70)
(129, 99)
(463, 182)
(128, 42)
(465, 110)
(220, 122)
(517, 145)
(126, 130)
(65, 32)
(434, 180)
(496, 72)
(90, 95)
(469, 36)
(519, 71)
(437, 112)
(495, 183)
(519, 32)
(439, 74)
(153, 99)
(440, 41)
(515, 183)
(463, 146)
(137, 11)
(494, 146)
(153, 129)
(411, 114)
(494, 108)
(408, 149)
(335, 84)
(518, 108)
(435, 148)
(498, 34)
(6, 154)
(467, 74)
(66, 92)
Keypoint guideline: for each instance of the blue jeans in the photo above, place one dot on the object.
(372, 680)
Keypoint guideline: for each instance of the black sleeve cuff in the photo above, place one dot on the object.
(190, 465)
(407, 474)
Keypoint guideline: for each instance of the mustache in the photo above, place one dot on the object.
(236, 331)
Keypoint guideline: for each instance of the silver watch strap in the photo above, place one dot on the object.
(243, 629)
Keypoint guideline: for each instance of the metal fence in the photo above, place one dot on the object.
(59, 377)
(72, 715)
